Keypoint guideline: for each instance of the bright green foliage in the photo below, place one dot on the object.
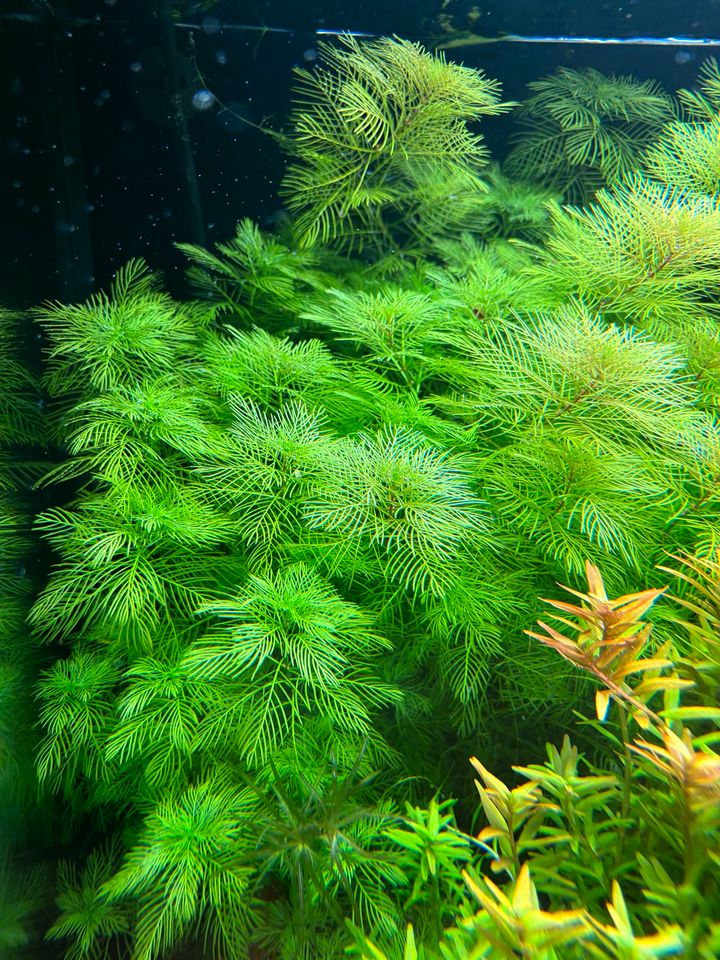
(703, 103)
(488, 282)
(511, 209)
(126, 562)
(584, 130)
(687, 156)
(381, 146)
(116, 340)
(19, 425)
(320, 833)
(87, 920)
(410, 507)
(256, 277)
(643, 252)
(305, 520)
(649, 255)
(184, 869)
(273, 370)
(437, 851)
(288, 645)
(346, 569)
(394, 328)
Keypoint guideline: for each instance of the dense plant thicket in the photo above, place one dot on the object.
(572, 835)
(22, 887)
(303, 521)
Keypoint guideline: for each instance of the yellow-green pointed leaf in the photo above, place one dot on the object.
(602, 703)
(692, 713)
(410, 948)
(524, 897)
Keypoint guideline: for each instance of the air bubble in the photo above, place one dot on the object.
(203, 99)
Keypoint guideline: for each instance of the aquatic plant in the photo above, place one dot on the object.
(583, 130)
(687, 155)
(648, 254)
(512, 209)
(282, 549)
(380, 145)
(300, 524)
(616, 857)
(254, 276)
(703, 103)
(23, 887)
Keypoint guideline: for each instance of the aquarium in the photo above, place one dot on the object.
(359, 480)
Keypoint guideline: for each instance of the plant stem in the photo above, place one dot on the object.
(627, 781)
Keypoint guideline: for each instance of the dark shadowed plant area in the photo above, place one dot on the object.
(297, 529)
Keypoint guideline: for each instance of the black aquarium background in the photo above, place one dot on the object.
(93, 169)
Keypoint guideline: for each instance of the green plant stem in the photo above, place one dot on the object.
(437, 908)
(627, 782)
(691, 868)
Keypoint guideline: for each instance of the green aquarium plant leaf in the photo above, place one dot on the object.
(114, 340)
(253, 277)
(380, 144)
(687, 156)
(86, 919)
(286, 647)
(644, 252)
(294, 533)
(584, 130)
(703, 103)
(412, 505)
(186, 869)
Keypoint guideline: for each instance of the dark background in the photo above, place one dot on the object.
(92, 173)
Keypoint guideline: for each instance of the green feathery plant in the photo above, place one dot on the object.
(87, 921)
(335, 846)
(484, 282)
(256, 279)
(380, 145)
(289, 588)
(385, 507)
(118, 339)
(285, 648)
(166, 526)
(512, 209)
(647, 254)
(22, 884)
(687, 155)
(567, 411)
(19, 425)
(703, 103)
(584, 130)
(643, 252)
